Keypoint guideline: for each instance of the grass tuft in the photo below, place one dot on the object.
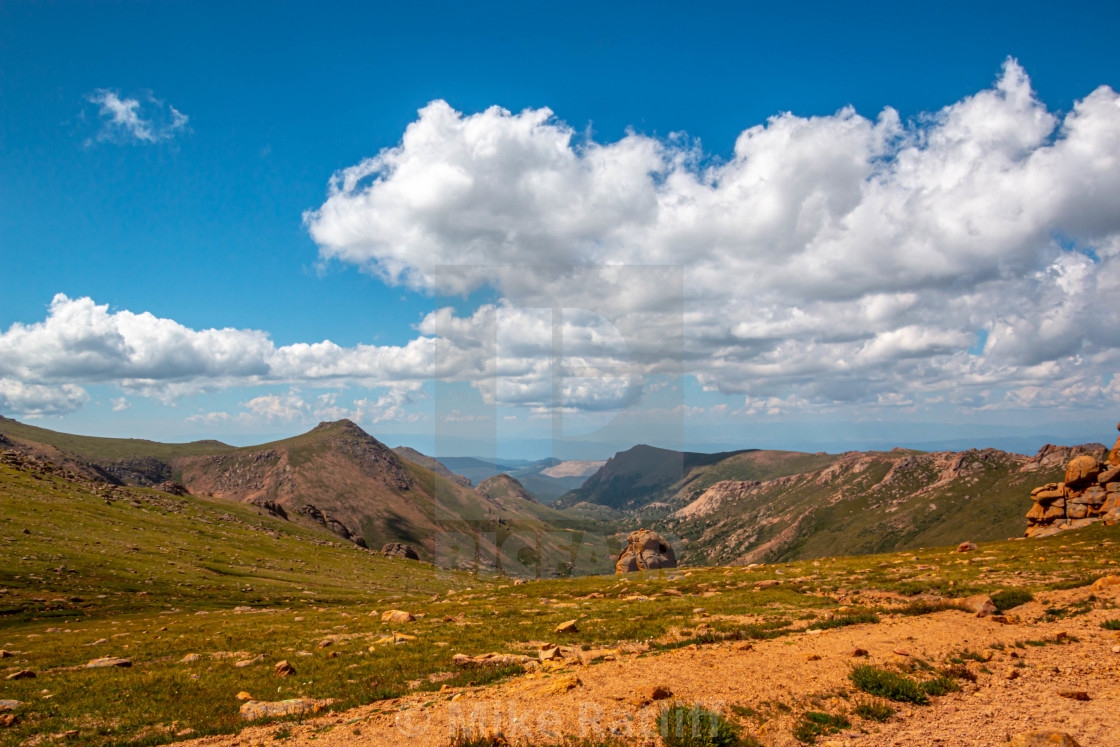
(874, 711)
(890, 685)
(813, 724)
(682, 725)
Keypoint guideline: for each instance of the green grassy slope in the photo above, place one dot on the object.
(94, 447)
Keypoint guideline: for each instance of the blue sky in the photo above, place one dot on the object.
(212, 209)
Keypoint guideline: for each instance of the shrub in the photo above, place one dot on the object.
(1111, 624)
(844, 620)
(874, 711)
(683, 725)
(890, 685)
(814, 724)
(940, 685)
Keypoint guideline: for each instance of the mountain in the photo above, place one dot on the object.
(500, 488)
(430, 463)
(477, 470)
(642, 475)
(858, 503)
(336, 476)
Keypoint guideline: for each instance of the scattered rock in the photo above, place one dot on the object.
(857, 652)
(255, 709)
(283, 669)
(8, 719)
(645, 550)
(491, 660)
(568, 626)
(249, 662)
(656, 692)
(244, 696)
(1106, 582)
(813, 657)
(9, 705)
(189, 659)
(23, 674)
(400, 550)
(967, 547)
(109, 661)
(325, 642)
(1074, 694)
(397, 616)
(5, 654)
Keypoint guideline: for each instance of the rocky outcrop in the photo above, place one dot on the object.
(145, 472)
(1089, 492)
(312, 512)
(645, 551)
(400, 550)
(271, 507)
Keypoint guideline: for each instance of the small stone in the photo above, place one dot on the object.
(8, 719)
(1012, 674)
(858, 652)
(244, 696)
(109, 661)
(569, 626)
(742, 646)
(813, 657)
(184, 732)
(397, 616)
(1074, 694)
(23, 674)
(248, 662)
(9, 705)
(967, 547)
(189, 659)
(656, 692)
(901, 652)
(325, 642)
(283, 669)
(5, 654)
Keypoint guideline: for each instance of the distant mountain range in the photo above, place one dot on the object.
(730, 507)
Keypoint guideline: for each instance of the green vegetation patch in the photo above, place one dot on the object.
(683, 725)
(886, 684)
(813, 724)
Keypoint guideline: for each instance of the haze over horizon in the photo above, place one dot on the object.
(500, 231)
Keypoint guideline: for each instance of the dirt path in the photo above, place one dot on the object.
(984, 713)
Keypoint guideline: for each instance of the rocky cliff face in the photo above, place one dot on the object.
(1090, 492)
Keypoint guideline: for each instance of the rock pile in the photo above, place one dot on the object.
(1090, 492)
(645, 551)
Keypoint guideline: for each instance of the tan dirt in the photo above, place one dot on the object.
(984, 713)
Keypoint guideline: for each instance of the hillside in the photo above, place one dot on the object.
(336, 476)
(642, 475)
(859, 503)
(430, 463)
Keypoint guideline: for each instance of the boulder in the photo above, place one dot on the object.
(568, 626)
(645, 551)
(967, 547)
(255, 709)
(109, 661)
(9, 705)
(400, 550)
(283, 669)
(1081, 471)
(397, 616)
